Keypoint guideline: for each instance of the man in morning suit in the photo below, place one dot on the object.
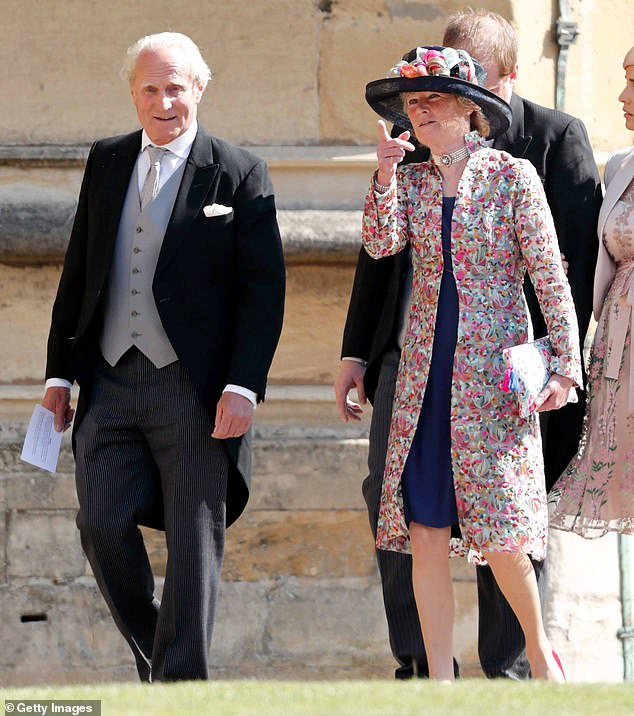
(557, 145)
(168, 313)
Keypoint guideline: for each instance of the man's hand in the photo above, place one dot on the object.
(234, 415)
(390, 151)
(57, 400)
(564, 263)
(350, 376)
(555, 393)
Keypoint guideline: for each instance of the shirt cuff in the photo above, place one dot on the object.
(244, 392)
(355, 360)
(57, 383)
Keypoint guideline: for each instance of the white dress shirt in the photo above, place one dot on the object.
(179, 150)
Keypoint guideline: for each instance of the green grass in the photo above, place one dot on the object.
(346, 698)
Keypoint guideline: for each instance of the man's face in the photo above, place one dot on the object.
(501, 85)
(164, 94)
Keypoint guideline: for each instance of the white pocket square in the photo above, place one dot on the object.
(216, 210)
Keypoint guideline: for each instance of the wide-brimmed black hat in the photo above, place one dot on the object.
(437, 69)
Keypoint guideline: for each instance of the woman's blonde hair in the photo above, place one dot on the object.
(478, 121)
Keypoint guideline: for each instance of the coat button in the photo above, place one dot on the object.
(139, 229)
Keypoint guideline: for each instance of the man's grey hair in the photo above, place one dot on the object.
(201, 74)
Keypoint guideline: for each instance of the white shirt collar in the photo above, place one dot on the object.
(180, 146)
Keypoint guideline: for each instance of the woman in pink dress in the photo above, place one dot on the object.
(595, 495)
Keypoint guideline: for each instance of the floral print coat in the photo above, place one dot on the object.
(501, 226)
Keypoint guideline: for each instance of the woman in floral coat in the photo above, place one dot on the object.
(459, 454)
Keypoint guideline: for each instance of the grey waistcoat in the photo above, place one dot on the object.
(131, 317)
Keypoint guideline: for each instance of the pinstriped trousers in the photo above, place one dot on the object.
(144, 455)
(500, 637)
(395, 568)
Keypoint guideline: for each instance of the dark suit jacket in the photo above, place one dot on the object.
(558, 146)
(218, 286)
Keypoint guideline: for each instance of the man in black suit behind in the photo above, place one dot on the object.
(557, 145)
(168, 312)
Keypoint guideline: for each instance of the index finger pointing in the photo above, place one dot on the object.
(383, 133)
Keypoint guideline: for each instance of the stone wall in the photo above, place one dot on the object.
(287, 72)
(308, 353)
(300, 596)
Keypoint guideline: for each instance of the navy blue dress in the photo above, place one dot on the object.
(427, 481)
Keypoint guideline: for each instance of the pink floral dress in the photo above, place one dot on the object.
(501, 226)
(596, 493)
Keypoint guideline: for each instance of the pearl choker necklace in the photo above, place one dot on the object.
(451, 157)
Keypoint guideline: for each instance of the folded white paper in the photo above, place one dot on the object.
(42, 442)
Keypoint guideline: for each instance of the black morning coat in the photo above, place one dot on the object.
(219, 282)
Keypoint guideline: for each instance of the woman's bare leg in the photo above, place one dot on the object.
(516, 578)
(433, 589)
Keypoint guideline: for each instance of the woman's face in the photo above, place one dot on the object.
(438, 119)
(627, 96)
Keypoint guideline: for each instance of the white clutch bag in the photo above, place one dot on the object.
(527, 372)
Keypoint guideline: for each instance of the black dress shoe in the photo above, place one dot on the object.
(419, 668)
(405, 671)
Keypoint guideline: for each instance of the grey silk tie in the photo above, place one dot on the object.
(151, 183)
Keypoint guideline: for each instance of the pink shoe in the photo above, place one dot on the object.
(558, 661)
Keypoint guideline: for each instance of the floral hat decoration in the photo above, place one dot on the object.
(437, 69)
